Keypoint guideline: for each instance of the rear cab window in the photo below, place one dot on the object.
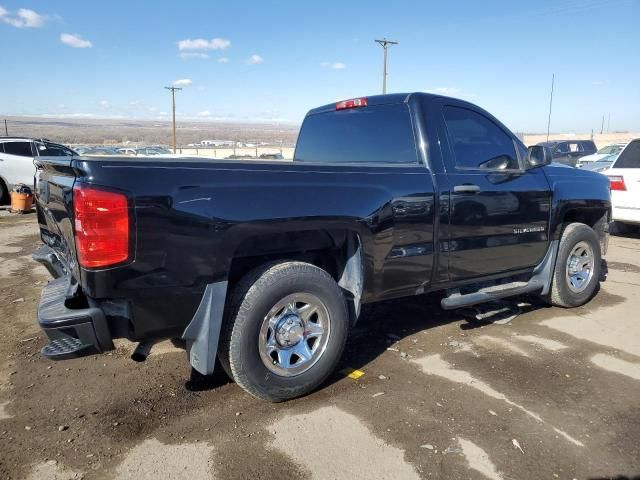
(378, 134)
(630, 156)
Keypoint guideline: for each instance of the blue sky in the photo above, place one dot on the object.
(268, 60)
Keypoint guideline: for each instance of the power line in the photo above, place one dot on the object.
(173, 99)
(384, 43)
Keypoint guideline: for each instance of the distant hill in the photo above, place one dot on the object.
(99, 131)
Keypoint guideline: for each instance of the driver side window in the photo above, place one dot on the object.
(477, 142)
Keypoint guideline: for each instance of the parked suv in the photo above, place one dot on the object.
(568, 152)
(16, 160)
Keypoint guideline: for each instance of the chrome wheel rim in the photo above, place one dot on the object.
(294, 334)
(580, 265)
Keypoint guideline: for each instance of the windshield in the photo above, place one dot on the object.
(610, 149)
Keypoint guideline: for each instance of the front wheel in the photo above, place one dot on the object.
(284, 331)
(578, 267)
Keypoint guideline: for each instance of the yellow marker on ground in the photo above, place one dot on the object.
(352, 373)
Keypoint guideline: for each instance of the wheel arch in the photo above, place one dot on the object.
(338, 251)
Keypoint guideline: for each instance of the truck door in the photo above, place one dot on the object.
(499, 211)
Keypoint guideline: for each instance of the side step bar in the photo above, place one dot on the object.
(539, 282)
(492, 293)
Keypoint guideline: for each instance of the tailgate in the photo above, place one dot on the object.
(55, 177)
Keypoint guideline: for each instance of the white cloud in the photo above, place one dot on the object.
(74, 40)
(204, 113)
(183, 82)
(446, 91)
(255, 60)
(188, 55)
(23, 18)
(203, 44)
(104, 103)
(335, 66)
(223, 60)
(134, 103)
(163, 113)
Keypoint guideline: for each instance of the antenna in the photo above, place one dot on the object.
(553, 78)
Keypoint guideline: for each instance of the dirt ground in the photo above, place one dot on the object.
(552, 394)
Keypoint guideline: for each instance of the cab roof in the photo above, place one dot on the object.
(390, 98)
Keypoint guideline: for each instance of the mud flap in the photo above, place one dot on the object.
(203, 332)
(351, 278)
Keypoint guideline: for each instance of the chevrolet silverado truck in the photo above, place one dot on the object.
(265, 265)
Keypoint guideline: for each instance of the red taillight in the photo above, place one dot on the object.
(101, 226)
(353, 103)
(617, 182)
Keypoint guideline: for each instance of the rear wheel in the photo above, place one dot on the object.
(621, 228)
(4, 193)
(284, 331)
(578, 267)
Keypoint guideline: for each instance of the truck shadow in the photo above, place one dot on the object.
(382, 324)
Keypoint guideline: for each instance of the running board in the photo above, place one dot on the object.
(540, 282)
(484, 295)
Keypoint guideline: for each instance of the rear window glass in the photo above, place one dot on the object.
(22, 149)
(374, 134)
(630, 156)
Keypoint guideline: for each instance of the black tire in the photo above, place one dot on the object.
(561, 294)
(4, 193)
(252, 300)
(620, 228)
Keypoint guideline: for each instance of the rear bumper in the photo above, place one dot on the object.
(47, 257)
(72, 332)
(626, 214)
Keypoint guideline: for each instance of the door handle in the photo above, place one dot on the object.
(466, 188)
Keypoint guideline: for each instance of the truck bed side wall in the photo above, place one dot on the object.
(192, 217)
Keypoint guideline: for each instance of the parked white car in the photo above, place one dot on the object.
(16, 160)
(624, 176)
(606, 151)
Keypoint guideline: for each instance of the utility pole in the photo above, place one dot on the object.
(6, 130)
(384, 43)
(602, 126)
(173, 98)
(553, 78)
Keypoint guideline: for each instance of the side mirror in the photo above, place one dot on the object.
(539, 156)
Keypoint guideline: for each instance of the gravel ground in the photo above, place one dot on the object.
(551, 394)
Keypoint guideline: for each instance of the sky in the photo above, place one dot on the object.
(275, 60)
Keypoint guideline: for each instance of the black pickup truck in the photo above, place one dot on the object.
(265, 265)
